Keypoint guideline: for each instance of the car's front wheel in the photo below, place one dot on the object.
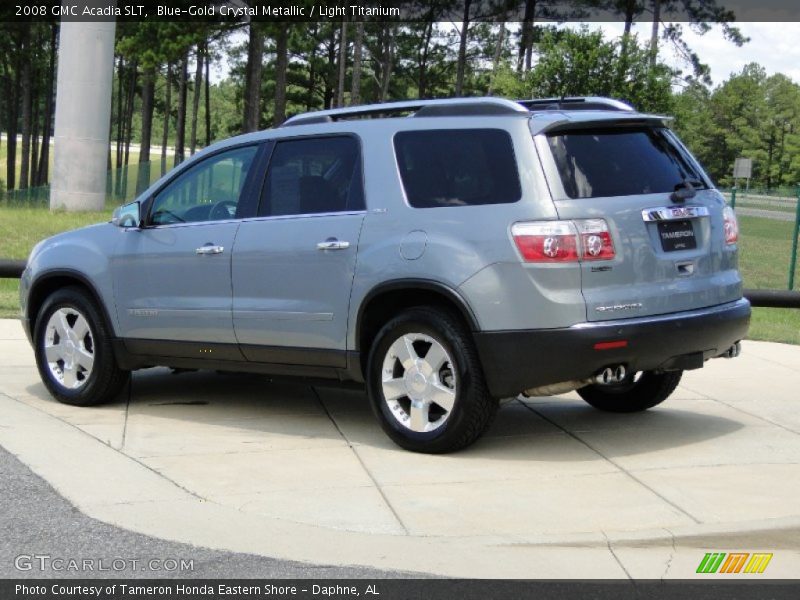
(73, 350)
(426, 384)
(637, 392)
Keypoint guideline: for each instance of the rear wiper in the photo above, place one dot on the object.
(684, 190)
(695, 183)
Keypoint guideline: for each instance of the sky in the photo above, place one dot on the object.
(773, 45)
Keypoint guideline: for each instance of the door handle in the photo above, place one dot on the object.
(210, 249)
(333, 244)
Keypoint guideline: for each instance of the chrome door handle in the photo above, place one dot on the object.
(333, 244)
(210, 249)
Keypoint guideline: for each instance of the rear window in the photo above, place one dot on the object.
(619, 162)
(457, 167)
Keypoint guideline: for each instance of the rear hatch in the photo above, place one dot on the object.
(670, 253)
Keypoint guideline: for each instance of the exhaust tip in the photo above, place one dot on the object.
(611, 375)
(733, 351)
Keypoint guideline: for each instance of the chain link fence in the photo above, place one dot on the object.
(769, 221)
(122, 185)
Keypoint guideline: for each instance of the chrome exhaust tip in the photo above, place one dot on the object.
(611, 375)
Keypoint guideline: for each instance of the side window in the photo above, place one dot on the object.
(208, 191)
(457, 167)
(313, 175)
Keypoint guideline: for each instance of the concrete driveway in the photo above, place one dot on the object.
(556, 489)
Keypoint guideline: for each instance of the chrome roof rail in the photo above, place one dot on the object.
(455, 107)
(575, 103)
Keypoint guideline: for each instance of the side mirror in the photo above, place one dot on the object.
(127, 216)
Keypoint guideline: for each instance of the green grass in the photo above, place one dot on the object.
(764, 260)
(765, 254)
(21, 229)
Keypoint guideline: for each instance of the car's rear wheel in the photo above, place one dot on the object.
(426, 384)
(73, 350)
(637, 392)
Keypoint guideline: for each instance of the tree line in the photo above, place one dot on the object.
(164, 96)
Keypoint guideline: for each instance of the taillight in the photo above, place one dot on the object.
(731, 225)
(546, 241)
(563, 241)
(596, 242)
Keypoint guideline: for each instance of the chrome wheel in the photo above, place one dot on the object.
(419, 382)
(69, 348)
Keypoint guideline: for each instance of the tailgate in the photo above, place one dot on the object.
(670, 255)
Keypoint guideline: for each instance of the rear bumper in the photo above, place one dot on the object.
(514, 361)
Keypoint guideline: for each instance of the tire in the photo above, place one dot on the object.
(451, 406)
(632, 395)
(72, 343)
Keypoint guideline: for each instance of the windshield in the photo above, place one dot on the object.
(601, 162)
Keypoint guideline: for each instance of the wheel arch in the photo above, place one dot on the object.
(387, 299)
(51, 281)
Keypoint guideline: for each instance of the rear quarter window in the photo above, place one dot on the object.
(457, 167)
(595, 163)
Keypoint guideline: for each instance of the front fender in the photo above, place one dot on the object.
(82, 256)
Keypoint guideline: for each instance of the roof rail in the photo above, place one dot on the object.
(455, 107)
(576, 103)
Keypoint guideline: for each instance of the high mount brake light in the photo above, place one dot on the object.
(563, 241)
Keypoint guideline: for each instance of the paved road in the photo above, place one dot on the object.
(36, 520)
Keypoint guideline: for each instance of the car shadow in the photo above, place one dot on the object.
(545, 429)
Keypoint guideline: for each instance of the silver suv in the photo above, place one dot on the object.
(444, 253)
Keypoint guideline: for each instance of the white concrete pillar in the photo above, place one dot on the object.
(83, 113)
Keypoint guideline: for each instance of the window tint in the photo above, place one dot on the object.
(622, 162)
(208, 191)
(462, 167)
(313, 175)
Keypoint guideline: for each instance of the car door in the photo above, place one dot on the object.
(172, 277)
(293, 264)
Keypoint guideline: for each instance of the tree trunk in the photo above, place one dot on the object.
(34, 161)
(312, 70)
(329, 94)
(167, 117)
(180, 128)
(654, 33)
(129, 104)
(252, 82)
(120, 65)
(423, 54)
(342, 63)
(498, 52)
(526, 36)
(198, 81)
(281, 64)
(462, 50)
(26, 100)
(44, 160)
(387, 62)
(630, 13)
(2, 102)
(148, 100)
(11, 140)
(207, 85)
(355, 84)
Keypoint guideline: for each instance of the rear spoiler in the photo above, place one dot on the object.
(555, 121)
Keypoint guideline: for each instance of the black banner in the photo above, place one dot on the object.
(234, 11)
(391, 589)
